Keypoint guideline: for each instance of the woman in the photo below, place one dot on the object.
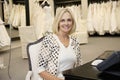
(59, 51)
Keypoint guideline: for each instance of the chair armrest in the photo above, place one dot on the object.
(28, 76)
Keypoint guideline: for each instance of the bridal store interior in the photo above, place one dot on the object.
(25, 21)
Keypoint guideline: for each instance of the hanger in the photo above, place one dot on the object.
(42, 3)
(45, 3)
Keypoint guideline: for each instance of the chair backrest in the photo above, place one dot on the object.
(33, 51)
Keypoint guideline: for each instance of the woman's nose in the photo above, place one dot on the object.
(66, 22)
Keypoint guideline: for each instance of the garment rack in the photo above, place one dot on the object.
(2, 1)
(67, 1)
(106, 34)
(64, 3)
(26, 3)
(18, 1)
(99, 1)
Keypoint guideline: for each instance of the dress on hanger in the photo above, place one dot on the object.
(42, 20)
(118, 16)
(101, 19)
(38, 22)
(90, 27)
(16, 21)
(4, 37)
(48, 18)
(113, 27)
(107, 17)
(23, 16)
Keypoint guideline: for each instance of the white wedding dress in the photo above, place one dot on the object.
(4, 37)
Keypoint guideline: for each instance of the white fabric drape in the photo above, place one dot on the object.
(90, 27)
(103, 18)
(108, 9)
(6, 11)
(17, 16)
(42, 19)
(16, 21)
(4, 37)
(113, 27)
(118, 16)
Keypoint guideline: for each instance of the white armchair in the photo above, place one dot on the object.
(32, 51)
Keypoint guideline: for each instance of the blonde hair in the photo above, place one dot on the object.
(57, 20)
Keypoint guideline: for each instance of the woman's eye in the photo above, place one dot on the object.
(62, 20)
(69, 19)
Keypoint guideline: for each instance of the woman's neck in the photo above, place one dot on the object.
(63, 35)
(64, 38)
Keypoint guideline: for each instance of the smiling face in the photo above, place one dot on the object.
(66, 23)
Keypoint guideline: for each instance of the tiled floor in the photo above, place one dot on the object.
(14, 44)
(14, 32)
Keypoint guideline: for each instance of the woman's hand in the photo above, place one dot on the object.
(47, 76)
